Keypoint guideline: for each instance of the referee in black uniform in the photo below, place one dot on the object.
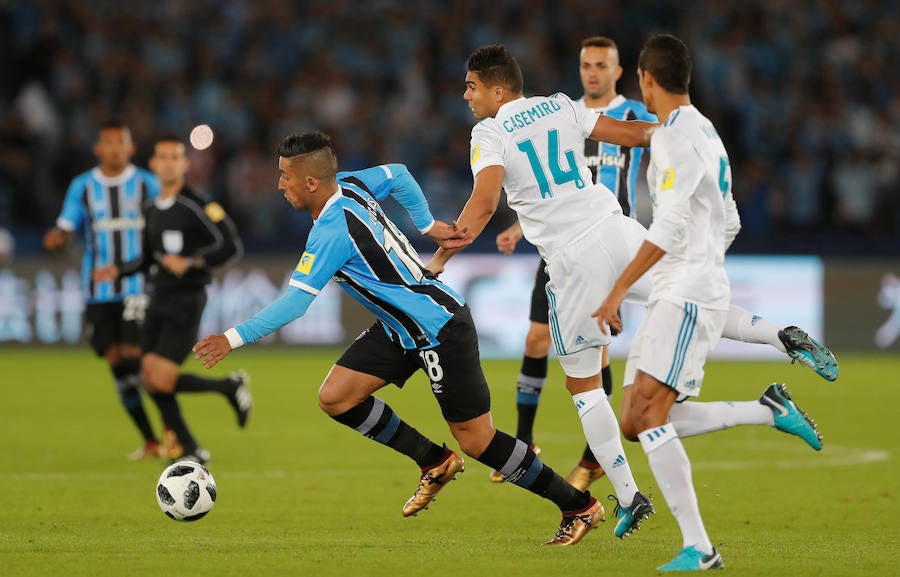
(185, 236)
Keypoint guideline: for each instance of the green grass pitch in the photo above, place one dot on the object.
(302, 495)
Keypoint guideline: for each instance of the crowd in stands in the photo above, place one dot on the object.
(805, 93)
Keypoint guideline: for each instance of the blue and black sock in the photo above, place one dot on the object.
(520, 466)
(128, 385)
(376, 420)
(529, 385)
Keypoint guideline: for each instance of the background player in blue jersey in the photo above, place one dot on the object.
(422, 324)
(615, 167)
(105, 204)
(185, 237)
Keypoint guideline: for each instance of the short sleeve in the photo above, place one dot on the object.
(486, 149)
(72, 214)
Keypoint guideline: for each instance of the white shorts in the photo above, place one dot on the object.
(672, 345)
(581, 276)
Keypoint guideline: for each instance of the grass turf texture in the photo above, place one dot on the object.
(300, 494)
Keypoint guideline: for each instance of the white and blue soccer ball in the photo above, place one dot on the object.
(186, 491)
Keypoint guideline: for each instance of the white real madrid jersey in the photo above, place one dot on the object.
(539, 141)
(694, 214)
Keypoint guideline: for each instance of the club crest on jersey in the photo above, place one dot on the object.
(306, 262)
(668, 179)
(476, 154)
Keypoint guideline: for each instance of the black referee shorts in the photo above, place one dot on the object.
(540, 308)
(107, 326)
(453, 367)
(171, 323)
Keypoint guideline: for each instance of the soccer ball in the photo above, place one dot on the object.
(186, 491)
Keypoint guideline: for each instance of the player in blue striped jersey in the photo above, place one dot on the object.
(105, 204)
(422, 324)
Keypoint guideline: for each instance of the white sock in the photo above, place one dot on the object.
(602, 433)
(742, 325)
(694, 418)
(672, 469)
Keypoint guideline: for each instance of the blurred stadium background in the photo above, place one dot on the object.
(806, 95)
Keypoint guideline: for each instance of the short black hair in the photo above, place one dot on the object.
(315, 148)
(669, 61)
(113, 122)
(297, 144)
(168, 137)
(495, 65)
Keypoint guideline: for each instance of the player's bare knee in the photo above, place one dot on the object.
(332, 401)
(471, 443)
(629, 431)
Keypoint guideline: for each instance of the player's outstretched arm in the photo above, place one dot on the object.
(450, 235)
(631, 133)
(288, 307)
(608, 312)
(211, 350)
(478, 210)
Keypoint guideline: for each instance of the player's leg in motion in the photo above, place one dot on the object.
(533, 374)
(160, 375)
(742, 325)
(588, 469)
(602, 433)
(126, 371)
(674, 341)
(235, 387)
(774, 408)
(530, 383)
(460, 388)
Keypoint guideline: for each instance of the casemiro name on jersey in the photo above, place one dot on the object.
(526, 117)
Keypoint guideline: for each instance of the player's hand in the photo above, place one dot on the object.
(509, 238)
(435, 267)
(105, 273)
(56, 238)
(175, 264)
(450, 235)
(211, 350)
(608, 312)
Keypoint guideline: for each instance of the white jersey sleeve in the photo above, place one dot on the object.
(486, 149)
(732, 218)
(585, 118)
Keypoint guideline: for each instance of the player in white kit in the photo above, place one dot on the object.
(534, 147)
(694, 222)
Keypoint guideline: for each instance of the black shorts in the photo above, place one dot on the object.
(453, 367)
(107, 324)
(540, 308)
(171, 323)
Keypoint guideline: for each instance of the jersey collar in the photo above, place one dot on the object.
(618, 100)
(519, 99)
(114, 180)
(331, 200)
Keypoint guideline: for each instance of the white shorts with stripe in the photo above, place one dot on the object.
(672, 345)
(581, 276)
